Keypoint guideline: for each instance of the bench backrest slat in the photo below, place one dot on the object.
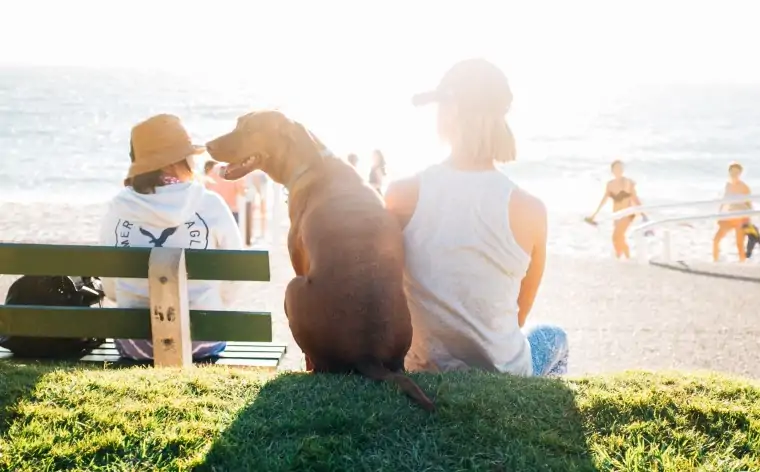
(104, 261)
(128, 323)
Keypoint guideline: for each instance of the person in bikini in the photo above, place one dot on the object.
(622, 191)
(734, 187)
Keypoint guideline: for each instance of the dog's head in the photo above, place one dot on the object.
(266, 140)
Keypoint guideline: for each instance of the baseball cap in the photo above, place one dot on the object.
(474, 85)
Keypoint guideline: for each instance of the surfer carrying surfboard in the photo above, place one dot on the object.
(622, 191)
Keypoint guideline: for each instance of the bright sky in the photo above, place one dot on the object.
(377, 54)
(539, 40)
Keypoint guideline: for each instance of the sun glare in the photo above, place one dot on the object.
(350, 68)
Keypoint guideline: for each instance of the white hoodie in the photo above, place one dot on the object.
(182, 215)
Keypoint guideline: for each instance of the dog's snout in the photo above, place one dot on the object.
(211, 147)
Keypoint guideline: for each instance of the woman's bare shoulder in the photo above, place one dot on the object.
(528, 204)
(401, 197)
(403, 189)
(527, 219)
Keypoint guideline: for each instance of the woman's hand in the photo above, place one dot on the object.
(590, 219)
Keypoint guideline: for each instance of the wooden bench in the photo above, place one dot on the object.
(168, 321)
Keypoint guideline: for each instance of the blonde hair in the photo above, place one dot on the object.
(482, 137)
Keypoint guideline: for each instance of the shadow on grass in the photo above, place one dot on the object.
(347, 423)
(17, 383)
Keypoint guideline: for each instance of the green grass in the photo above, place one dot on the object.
(217, 419)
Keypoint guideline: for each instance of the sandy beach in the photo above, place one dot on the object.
(619, 315)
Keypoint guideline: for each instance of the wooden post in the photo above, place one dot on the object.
(249, 229)
(169, 308)
(242, 216)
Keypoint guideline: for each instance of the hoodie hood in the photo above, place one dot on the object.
(170, 206)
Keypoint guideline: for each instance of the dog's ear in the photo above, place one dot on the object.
(303, 131)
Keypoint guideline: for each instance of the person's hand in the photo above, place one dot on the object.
(590, 220)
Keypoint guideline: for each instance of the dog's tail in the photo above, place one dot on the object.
(375, 371)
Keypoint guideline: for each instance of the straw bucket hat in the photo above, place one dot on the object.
(158, 142)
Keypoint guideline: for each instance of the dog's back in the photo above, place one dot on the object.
(356, 260)
(356, 263)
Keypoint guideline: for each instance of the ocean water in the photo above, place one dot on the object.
(64, 135)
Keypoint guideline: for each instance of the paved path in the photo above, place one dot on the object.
(630, 316)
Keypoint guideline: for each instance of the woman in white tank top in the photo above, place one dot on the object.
(475, 243)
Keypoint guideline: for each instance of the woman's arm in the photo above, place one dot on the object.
(635, 196)
(748, 192)
(535, 211)
(601, 204)
(723, 206)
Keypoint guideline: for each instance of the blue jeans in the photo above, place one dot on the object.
(548, 349)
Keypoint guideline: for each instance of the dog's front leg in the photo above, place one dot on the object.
(298, 256)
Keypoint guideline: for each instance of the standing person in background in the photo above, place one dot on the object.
(353, 159)
(377, 172)
(228, 189)
(734, 187)
(622, 191)
(258, 185)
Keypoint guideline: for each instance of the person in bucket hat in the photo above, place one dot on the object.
(160, 147)
(475, 242)
(162, 205)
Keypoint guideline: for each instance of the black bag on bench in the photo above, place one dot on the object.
(52, 291)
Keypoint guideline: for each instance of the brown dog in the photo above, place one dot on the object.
(346, 306)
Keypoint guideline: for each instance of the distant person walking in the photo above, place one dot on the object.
(229, 190)
(377, 172)
(734, 187)
(353, 159)
(258, 185)
(622, 191)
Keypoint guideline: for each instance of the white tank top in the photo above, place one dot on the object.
(463, 274)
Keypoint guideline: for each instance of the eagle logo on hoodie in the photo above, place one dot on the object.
(159, 241)
(192, 234)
